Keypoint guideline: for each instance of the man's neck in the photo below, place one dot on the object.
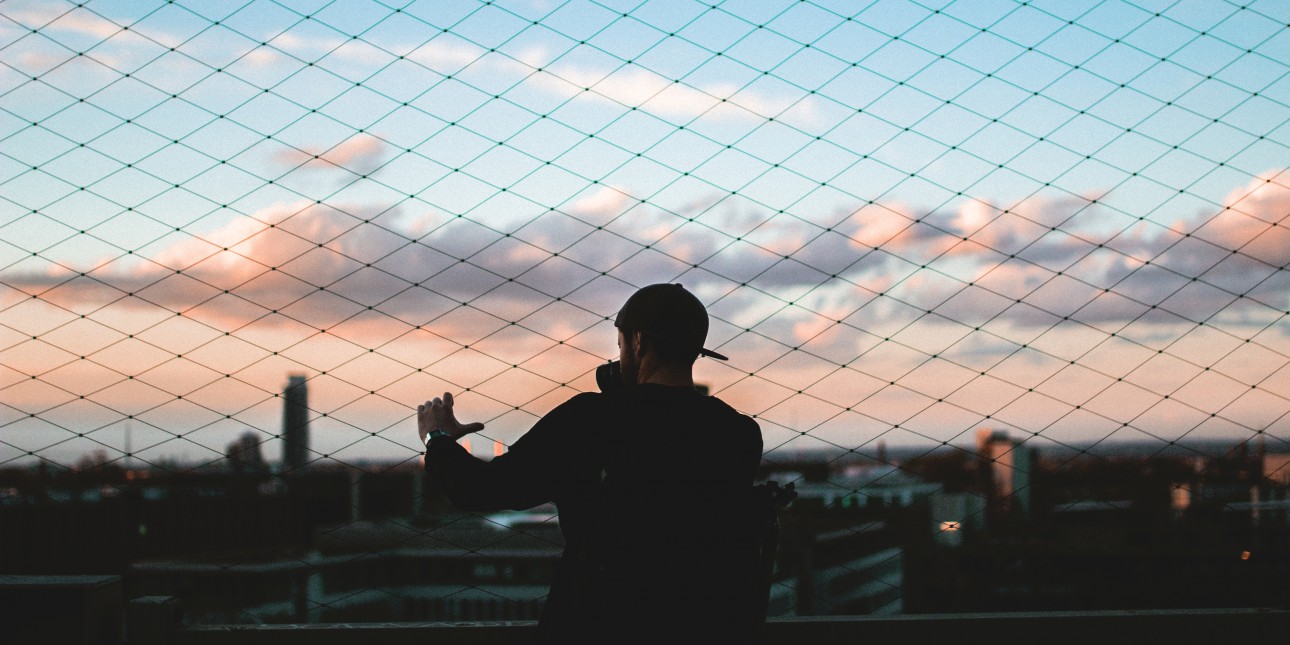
(660, 375)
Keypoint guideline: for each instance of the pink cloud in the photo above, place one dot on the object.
(360, 153)
(319, 265)
(1254, 221)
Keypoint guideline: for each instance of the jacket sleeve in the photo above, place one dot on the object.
(541, 464)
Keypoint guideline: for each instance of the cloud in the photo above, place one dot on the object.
(1198, 268)
(446, 55)
(361, 154)
(77, 21)
(305, 48)
(80, 28)
(320, 266)
(317, 264)
(637, 87)
(1254, 221)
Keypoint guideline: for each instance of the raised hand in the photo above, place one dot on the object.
(437, 415)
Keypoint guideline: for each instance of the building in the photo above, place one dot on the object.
(295, 424)
(1007, 464)
(243, 454)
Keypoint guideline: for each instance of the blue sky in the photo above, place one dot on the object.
(909, 220)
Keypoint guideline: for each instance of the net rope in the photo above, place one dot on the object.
(324, 187)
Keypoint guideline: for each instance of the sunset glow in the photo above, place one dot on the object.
(1069, 225)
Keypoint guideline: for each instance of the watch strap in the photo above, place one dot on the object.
(437, 433)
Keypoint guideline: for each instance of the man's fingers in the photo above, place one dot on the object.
(441, 410)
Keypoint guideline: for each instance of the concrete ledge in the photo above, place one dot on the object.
(473, 633)
(153, 620)
(1176, 627)
(1201, 626)
(61, 609)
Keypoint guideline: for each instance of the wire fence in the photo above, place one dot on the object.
(1063, 221)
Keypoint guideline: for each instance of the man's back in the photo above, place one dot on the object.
(652, 485)
(681, 548)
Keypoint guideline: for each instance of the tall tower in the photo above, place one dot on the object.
(1006, 465)
(295, 424)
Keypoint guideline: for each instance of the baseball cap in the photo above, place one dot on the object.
(669, 312)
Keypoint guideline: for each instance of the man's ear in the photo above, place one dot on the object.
(637, 342)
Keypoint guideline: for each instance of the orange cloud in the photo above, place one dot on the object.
(295, 269)
(1253, 221)
(360, 153)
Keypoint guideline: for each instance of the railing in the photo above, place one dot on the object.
(89, 610)
(1183, 627)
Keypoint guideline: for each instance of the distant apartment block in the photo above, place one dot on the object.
(295, 424)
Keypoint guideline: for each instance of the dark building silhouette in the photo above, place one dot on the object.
(295, 424)
(244, 455)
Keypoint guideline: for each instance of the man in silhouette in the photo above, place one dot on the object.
(651, 479)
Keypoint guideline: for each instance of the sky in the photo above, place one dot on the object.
(909, 220)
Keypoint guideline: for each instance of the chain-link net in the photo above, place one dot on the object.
(1062, 222)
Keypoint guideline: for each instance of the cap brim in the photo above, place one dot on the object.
(711, 354)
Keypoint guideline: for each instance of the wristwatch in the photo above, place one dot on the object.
(436, 433)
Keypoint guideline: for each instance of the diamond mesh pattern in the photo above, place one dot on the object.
(909, 219)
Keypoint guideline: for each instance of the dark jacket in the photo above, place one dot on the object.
(652, 486)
